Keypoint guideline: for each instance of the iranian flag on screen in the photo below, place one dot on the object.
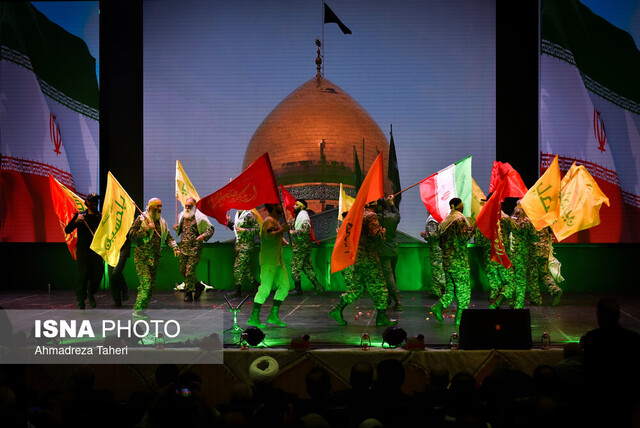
(438, 189)
(590, 111)
(48, 121)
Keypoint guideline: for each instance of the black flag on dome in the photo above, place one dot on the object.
(393, 171)
(329, 17)
(357, 171)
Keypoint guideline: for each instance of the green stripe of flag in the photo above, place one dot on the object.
(464, 186)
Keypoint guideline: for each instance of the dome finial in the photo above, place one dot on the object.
(318, 58)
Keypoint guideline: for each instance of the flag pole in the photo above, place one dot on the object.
(284, 214)
(322, 1)
(273, 179)
(405, 189)
(87, 224)
(143, 213)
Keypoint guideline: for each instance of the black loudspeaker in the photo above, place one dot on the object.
(495, 329)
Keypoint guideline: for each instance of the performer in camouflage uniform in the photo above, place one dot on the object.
(523, 234)
(301, 241)
(431, 234)
(246, 228)
(195, 229)
(366, 273)
(499, 277)
(272, 268)
(90, 264)
(149, 231)
(455, 232)
(389, 218)
(542, 249)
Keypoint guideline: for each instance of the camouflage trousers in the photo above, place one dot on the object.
(521, 278)
(366, 275)
(542, 276)
(437, 272)
(301, 263)
(188, 264)
(146, 271)
(242, 267)
(500, 280)
(457, 286)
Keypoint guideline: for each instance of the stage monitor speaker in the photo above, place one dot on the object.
(495, 329)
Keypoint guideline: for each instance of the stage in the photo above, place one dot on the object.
(332, 346)
(308, 314)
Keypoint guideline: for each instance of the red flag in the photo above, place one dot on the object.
(255, 186)
(499, 172)
(488, 221)
(66, 204)
(346, 246)
(288, 202)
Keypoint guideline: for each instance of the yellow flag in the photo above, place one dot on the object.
(184, 188)
(117, 216)
(542, 201)
(258, 217)
(477, 195)
(344, 202)
(580, 202)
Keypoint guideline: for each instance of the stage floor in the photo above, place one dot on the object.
(308, 314)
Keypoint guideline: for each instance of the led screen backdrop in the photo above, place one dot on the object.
(225, 82)
(48, 112)
(590, 110)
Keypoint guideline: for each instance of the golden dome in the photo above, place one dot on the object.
(310, 137)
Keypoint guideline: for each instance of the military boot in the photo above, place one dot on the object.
(273, 317)
(297, 289)
(254, 319)
(395, 297)
(382, 319)
(556, 297)
(336, 312)
(436, 311)
(235, 293)
(317, 287)
(198, 292)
